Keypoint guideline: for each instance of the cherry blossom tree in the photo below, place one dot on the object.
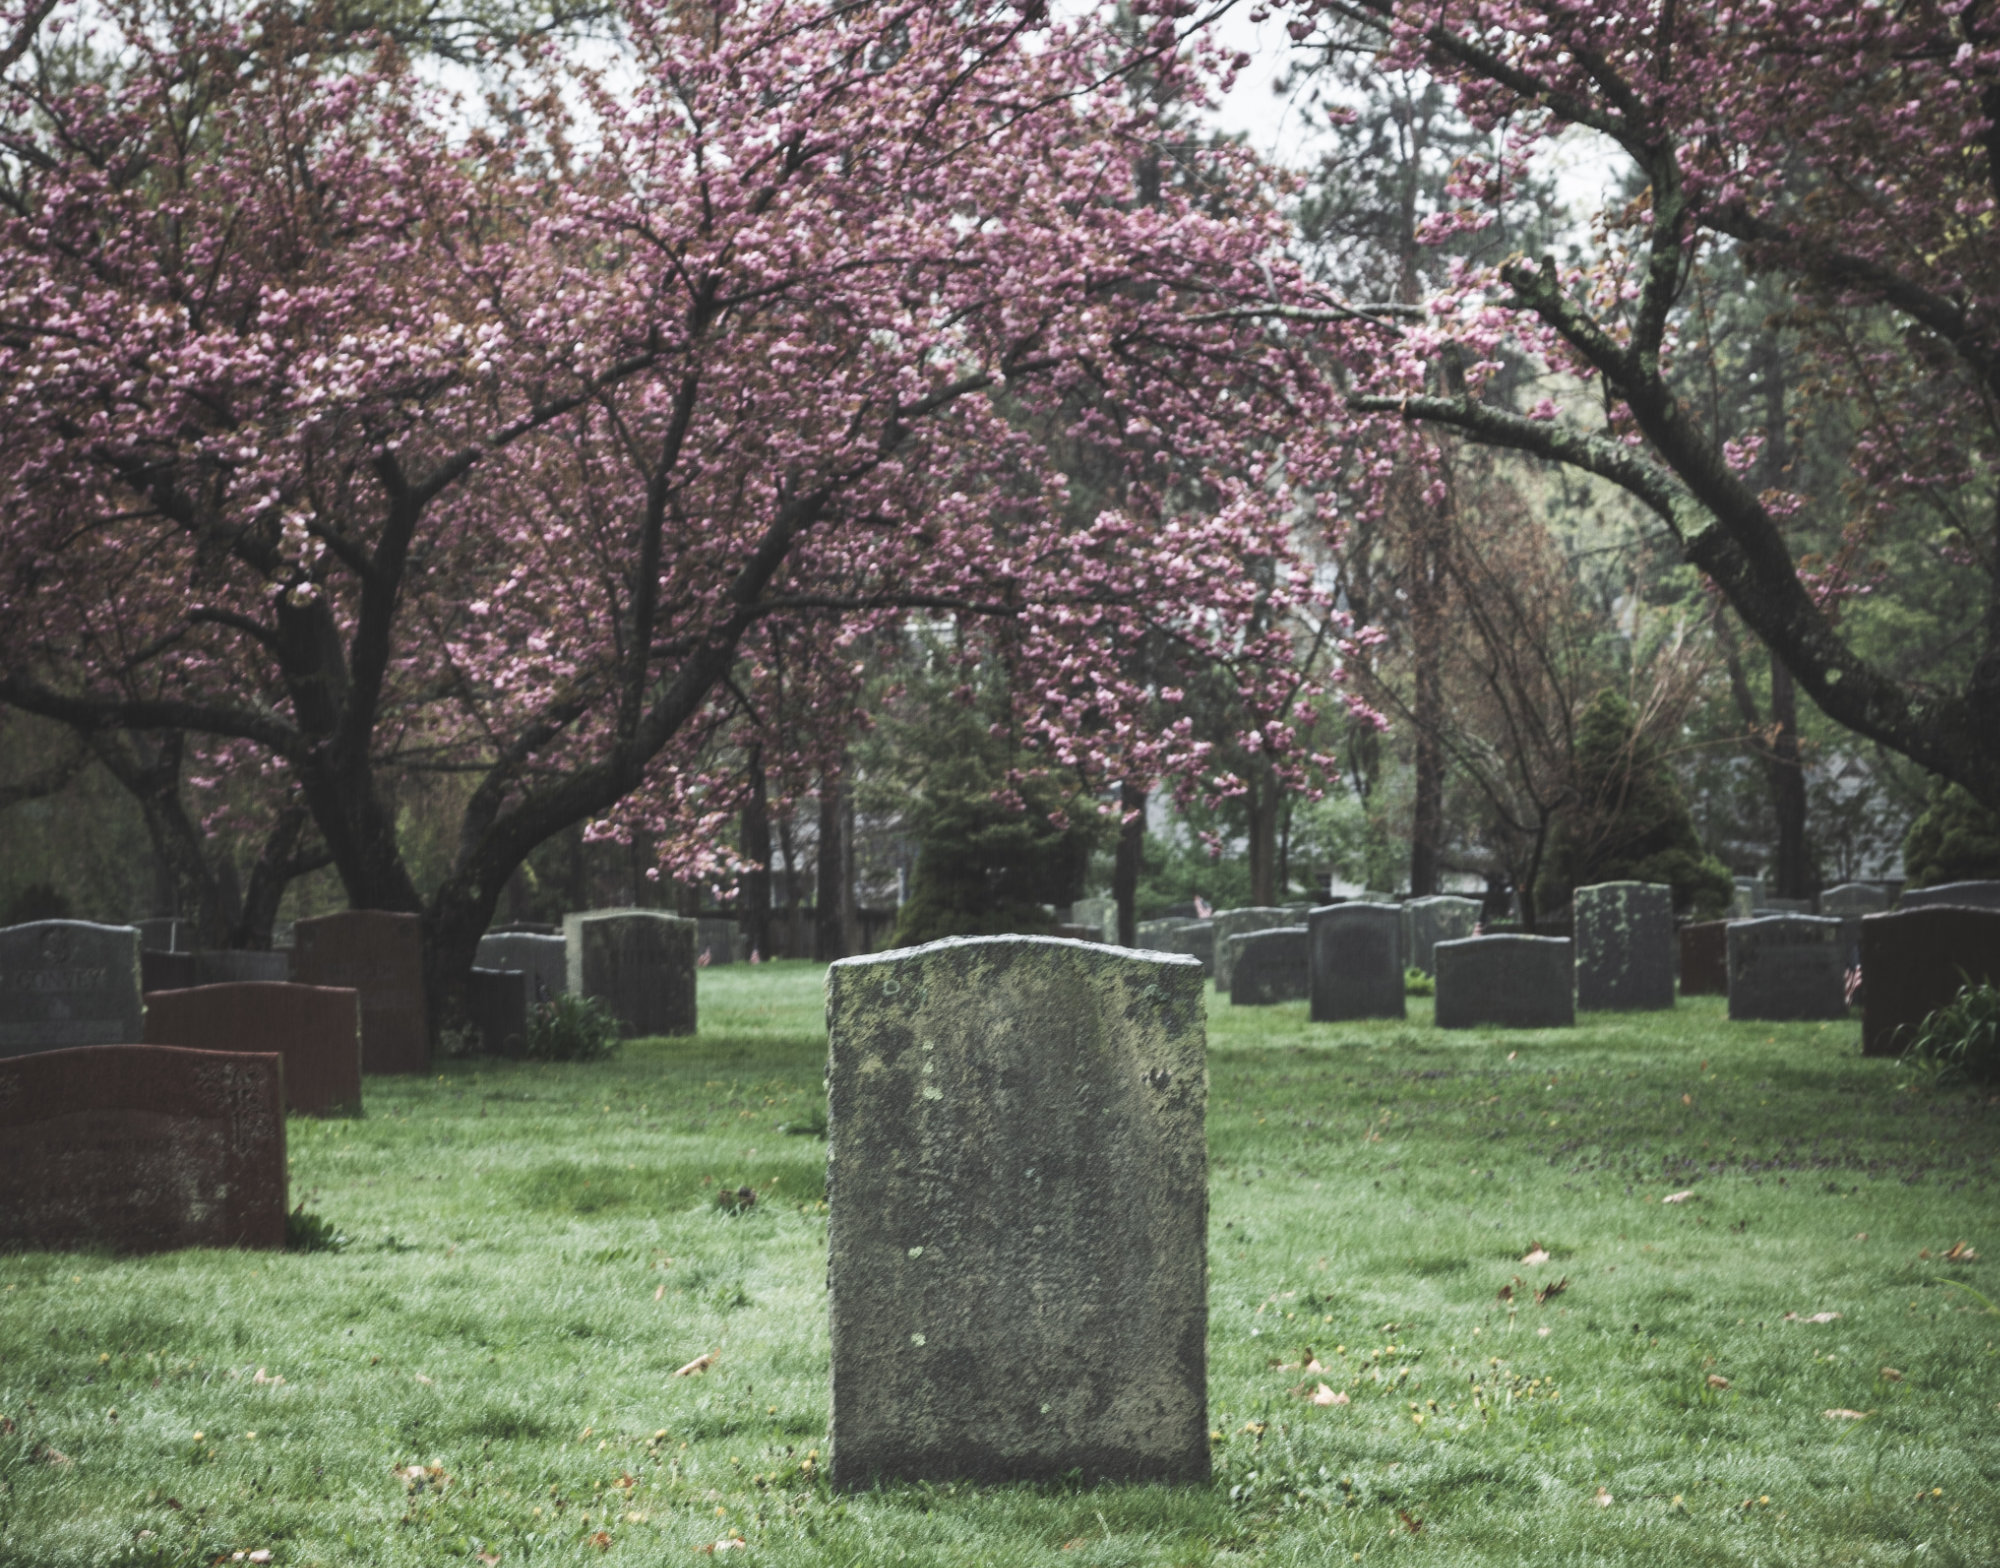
(1846, 156)
(359, 429)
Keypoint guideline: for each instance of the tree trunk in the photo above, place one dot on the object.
(1794, 874)
(1126, 865)
(1261, 806)
(1429, 543)
(280, 862)
(757, 850)
(829, 923)
(149, 768)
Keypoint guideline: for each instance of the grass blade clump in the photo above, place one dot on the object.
(570, 1028)
(1960, 1042)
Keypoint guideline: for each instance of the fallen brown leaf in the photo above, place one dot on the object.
(1959, 1252)
(1678, 1197)
(700, 1363)
(1891, 1375)
(1536, 1254)
(1687, 1099)
(659, 1293)
(1604, 1498)
(1717, 1380)
(1506, 1293)
(1413, 1525)
(626, 1482)
(1550, 1291)
(1845, 1415)
(602, 1540)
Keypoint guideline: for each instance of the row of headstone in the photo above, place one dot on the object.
(1429, 921)
(1268, 966)
(1227, 923)
(174, 970)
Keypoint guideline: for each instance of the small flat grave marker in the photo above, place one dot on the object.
(316, 1029)
(142, 1148)
(1017, 1244)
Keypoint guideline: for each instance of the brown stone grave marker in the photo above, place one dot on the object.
(1705, 958)
(381, 955)
(316, 1029)
(142, 1148)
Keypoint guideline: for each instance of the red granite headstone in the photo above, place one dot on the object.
(317, 1029)
(1913, 961)
(1705, 959)
(381, 955)
(142, 1148)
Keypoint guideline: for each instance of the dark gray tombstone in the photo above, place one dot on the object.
(1270, 967)
(640, 962)
(1234, 922)
(1506, 982)
(1967, 895)
(1017, 1243)
(1356, 962)
(499, 1000)
(1748, 898)
(68, 982)
(1197, 939)
(1157, 936)
(1854, 898)
(163, 971)
(1784, 967)
(544, 958)
(1784, 906)
(1913, 961)
(1624, 946)
(715, 938)
(1429, 921)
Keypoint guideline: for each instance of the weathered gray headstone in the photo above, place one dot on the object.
(1157, 936)
(1270, 967)
(1967, 895)
(1197, 940)
(1356, 961)
(545, 958)
(641, 962)
(1234, 922)
(1784, 906)
(1786, 967)
(1100, 914)
(68, 982)
(1624, 946)
(499, 1000)
(1017, 1243)
(1853, 898)
(1506, 982)
(716, 937)
(1748, 898)
(1429, 921)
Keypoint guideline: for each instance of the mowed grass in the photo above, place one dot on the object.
(487, 1372)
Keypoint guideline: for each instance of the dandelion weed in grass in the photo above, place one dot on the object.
(546, 1332)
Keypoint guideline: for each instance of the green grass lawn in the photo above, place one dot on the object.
(487, 1370)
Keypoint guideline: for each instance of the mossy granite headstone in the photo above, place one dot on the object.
(316, 1029)
(1785, 967)
(1356, 962)
(1705, 958)
(1969, 895)
(1269, 967)
(141, 1148)
(1506, 982)
(1429, 921)
(1913, 961)
(1624, 946)
(1018, 1184)
(640, 962)
(1157, 936)
(1197, 939)
(379, 953)
(68, 982)
(1234, 922)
